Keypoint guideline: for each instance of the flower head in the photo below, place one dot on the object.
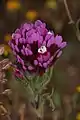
(35, 47)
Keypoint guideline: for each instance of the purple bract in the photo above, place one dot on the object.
(35, 48)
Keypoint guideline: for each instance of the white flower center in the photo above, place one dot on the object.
(42, 49)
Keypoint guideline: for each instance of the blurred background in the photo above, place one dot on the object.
(66, 73)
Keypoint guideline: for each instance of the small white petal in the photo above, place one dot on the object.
(42, 49)
(50, 33)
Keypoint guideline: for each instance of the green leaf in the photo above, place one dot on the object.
(51, 103)
(56, 99)
(41, 82)
(36, 84)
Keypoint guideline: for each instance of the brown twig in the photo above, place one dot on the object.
(21, 111)
(68, 12)
(77, 29)
(71, 21)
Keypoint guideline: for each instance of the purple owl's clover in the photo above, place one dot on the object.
(35, 47)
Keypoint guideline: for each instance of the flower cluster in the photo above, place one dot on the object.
(35, 47)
